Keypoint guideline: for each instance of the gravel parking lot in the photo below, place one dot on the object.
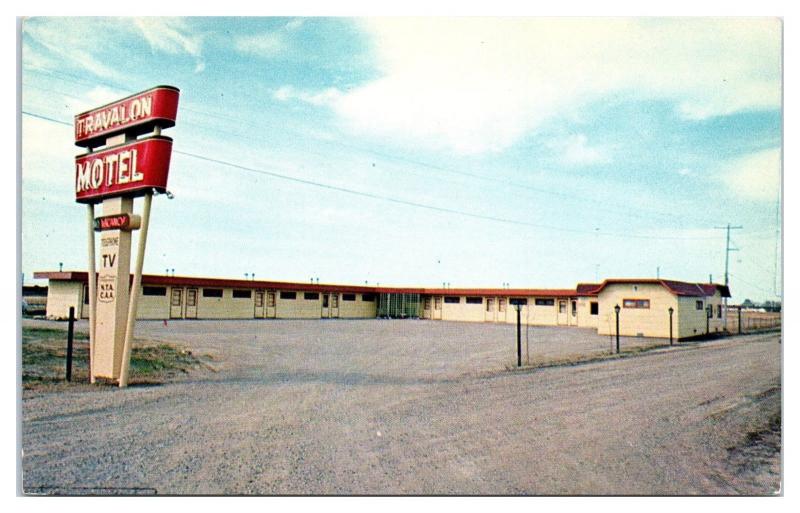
(410, 407)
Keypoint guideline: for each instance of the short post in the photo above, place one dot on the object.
(616, 311)
(70, 333)
(740, 319)
(671, 310)
(519, 337)
(708, 319)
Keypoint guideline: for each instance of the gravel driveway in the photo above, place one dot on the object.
(410, 407)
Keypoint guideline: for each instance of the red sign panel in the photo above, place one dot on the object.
(130, 169)
(136, 114)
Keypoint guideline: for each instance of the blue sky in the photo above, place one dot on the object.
(416, 151)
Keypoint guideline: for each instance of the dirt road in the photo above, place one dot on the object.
(398, 407)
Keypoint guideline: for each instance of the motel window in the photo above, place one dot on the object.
(719, 311)
(259, 299)
(452, 299)
(437, 303)
(426, 303)
(545, 302)
(368, 297)
(175, 300)
(501, 304)
(311, 296)
(242, 294)
(288, 295)
(518, 301)
(271, 299)
(636, 303)
(698, 305)
(212, 292)
(489, 304)
(593, 308)
(154, 291)
(348, 297)
(474, 300)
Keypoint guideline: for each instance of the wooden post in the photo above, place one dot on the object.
(92, 291)
(134, 298)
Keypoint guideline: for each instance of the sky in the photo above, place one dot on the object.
(534, 152)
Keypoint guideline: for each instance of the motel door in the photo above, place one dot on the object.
(573, 312)
(326, 301)
(335, 305)
(490, 314)
(437, 307)
(426, 307)
(258, 307)
(502, 307)
(563, 316)
(270, 304)
(191, 303)
(176, 303)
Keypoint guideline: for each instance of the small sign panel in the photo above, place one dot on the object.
(136, 114)
(124, 222)
(130, 169)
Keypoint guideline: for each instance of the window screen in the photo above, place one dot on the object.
(212, 292)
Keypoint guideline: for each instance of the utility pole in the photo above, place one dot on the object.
(728, 250)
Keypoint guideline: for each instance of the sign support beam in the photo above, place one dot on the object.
(92, 292)
(134, 297)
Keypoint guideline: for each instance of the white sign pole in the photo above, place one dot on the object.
(134, 293)
(92, 290)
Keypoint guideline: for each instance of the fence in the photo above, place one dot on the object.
(751, 320)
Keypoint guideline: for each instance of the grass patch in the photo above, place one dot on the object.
(44, 353)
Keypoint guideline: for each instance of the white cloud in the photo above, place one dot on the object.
(574, 150)
(327, 96)
(267, 45)
(173, 36)
(294, 24)
(755, 176)
(71, 42)
(473, 85)
(77, 40)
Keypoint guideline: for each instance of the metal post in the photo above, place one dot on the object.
(708, 318)
(70, 333)
(670, 325)
(134, 295)
(519, 337)
(92, 291)
(616, 310)
(740, 319)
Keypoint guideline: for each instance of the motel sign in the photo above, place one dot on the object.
(127, 157)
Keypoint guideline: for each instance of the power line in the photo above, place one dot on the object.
(397, 200)
(600, 205)
(751, 284)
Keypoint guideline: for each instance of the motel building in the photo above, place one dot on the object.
(644, 303)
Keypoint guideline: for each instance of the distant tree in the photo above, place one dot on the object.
(748, 304)
(772, 306)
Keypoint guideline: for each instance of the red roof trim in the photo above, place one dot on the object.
(149, 279)
(679, 288)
